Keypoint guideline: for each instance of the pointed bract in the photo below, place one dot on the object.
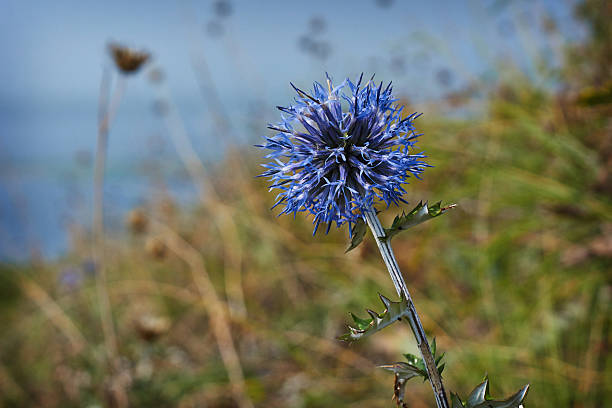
(456, 401)
(479, 394)
(386, 301)
(357, 234)
(480, 398)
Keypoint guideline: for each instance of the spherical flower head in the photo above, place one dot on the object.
(339, 150)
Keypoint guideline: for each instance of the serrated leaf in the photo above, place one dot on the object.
(393, 312)
(414, 366)
(514, 401)
(419, 214)
(358, 232)
(403, 370)
(456, 401)
(480, 398)
(412, 359)
(438, 359)
(479, 393)
(360, 323)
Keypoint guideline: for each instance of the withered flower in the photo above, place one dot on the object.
(128, 60)
(156, 248)
(151, 327)
(137, 221)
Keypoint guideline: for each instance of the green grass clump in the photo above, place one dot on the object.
(513, 282)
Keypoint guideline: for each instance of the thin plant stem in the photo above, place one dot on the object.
(217, 311)
(413, 318)
(210, 199)
(106, 114)
(52, 310)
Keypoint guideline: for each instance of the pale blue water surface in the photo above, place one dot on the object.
(54, 54)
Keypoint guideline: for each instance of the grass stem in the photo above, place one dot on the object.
(106, 114)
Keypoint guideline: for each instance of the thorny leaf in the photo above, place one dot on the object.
(361, 324)
(480, 398)
(413, 367)
(479, 394)
(358, 233)
(456, 401)
(393, 312)
(419, 214)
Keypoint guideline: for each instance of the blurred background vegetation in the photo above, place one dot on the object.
(218, 303)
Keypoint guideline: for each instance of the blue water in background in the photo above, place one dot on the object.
(50, 186)
(54, 56)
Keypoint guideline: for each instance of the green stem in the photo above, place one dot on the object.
(413, 318)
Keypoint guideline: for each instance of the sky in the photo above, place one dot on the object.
(55, 54)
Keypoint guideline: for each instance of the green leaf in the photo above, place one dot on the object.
(414, 366)
(412, 359)
(360, 323)
(359, 232)
(513, 401)
(404, 371)
(419, 214)
(479, 394)
(439, 358)
(393, 312)
(456, 401)
(480, 398)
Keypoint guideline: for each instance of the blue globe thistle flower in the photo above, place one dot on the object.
(339, 150)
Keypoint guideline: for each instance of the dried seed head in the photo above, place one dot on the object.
(223, 8)
(214, 28)
(156, 248)
(137, 221)
(156, 75)
(160, 107)
(151, 327)
(167, 207)
(384, 3)
(126, 59)
(317, 24)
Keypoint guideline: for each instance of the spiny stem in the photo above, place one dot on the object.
(413, 318)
